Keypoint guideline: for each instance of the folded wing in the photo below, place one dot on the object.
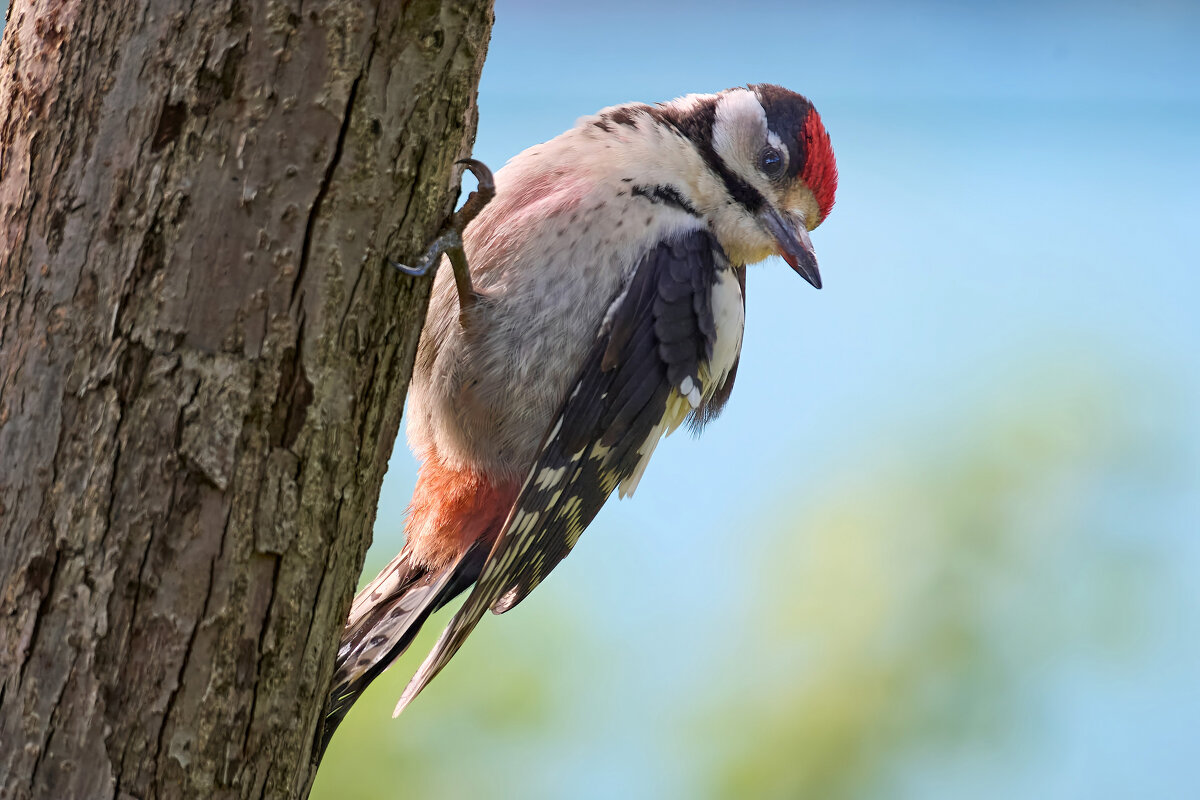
(667, 351)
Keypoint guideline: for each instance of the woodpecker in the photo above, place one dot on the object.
(603, 307)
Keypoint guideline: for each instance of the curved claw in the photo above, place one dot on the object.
(450, 242)
(477, 199)
(416, 272)
(481, 172)
(447, 242)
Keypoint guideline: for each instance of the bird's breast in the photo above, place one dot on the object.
(549, 254)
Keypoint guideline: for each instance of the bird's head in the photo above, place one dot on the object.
(772, 166)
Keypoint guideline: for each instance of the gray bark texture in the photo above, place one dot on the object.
(203, 361)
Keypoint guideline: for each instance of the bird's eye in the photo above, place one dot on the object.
(770, 161)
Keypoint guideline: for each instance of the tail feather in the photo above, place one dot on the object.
(385, 618)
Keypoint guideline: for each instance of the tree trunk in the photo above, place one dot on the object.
(203, 360)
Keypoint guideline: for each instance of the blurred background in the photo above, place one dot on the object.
(949, 540)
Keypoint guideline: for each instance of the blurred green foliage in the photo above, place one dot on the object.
(907, 617)
(920, 608)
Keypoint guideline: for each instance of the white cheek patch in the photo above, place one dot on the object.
(739, 133)
(740, 124)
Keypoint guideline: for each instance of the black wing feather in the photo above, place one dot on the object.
(657, 335)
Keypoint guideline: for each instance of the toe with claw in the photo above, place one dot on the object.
(449, 241)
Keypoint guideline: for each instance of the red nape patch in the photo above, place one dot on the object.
(820, 168)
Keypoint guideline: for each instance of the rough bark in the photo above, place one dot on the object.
(203, 361)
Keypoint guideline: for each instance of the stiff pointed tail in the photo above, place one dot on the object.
(385, 618)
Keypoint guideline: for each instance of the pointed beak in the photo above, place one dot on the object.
(794, 244)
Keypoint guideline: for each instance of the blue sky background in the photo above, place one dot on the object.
(1011, 290)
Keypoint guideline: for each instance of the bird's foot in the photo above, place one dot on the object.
(449, 241)
(446, 241)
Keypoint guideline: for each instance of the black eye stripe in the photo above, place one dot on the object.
(696, 125)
